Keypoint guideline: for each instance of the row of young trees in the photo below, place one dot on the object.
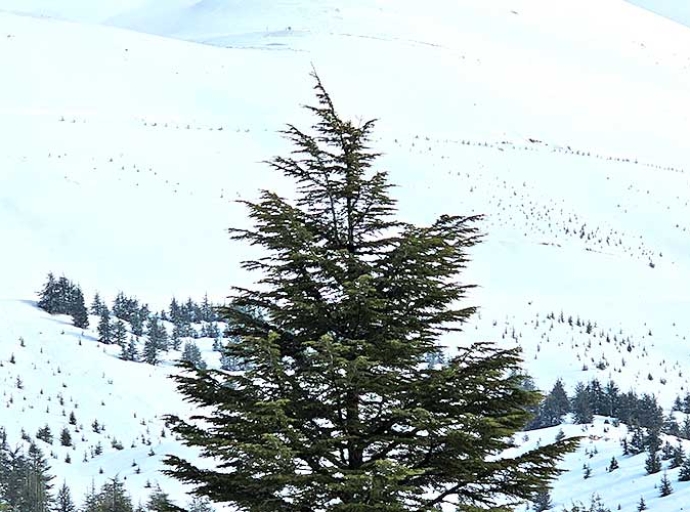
(594, 399)
(62, 296)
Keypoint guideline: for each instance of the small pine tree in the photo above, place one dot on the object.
(80, 316)
(97, 305)
(684, 473)
(642, 505)
(192, 354)
(159, 501)
(105, 332)
(130, 352)
(65, 437)
(586, 471)
(678, 457)
(44, 434)
(665, 488)
(63, 501)
(119, 333)
(613, 465)
(542, 501)
(150, 352)
(653, 462)
(200, 504)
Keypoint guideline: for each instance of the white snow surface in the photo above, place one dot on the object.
(126, 142)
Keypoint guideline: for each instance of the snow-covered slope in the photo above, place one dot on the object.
(671, 9)
(51, 369)
(124, 149)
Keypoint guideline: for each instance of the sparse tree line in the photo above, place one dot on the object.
(26, 485)
(593, 398)
(128, 320)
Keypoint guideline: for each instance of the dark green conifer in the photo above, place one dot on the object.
(80, 316)
(105, 330)
(337, 411)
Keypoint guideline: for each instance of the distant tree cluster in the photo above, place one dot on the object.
(594, 399)
(128, 319)
(63, 297)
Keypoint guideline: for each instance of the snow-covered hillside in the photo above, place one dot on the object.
(125, 143)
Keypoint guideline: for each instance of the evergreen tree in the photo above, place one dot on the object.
(611, 393)
(613, 465)
(150, 353)
(582, 407)
(105, 330)
(542, 501)
(113, 497)
(80, 317)
(91, 501)
(653, 462)
(200, 504)
(47, 297)
(678, 457)
(207, 312)
(338, 412)
(65, 437)
(175, 313)
(119, 335)
(130, 352)
(159, 501)
(157, 334)
(97, 305)
(665, 487)
(37, 487)
(176, 337)
(684, 473)
(192, 354)
(63, 501)
(641, 505)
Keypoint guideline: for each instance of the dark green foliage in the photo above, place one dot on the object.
(613, 465)
(63, 500)
(159, 501)
(192, 354)
(119, 333)
(97, 305)
(157, 334)
(653, 462)
(105, 329)
(129, 352)
(63, 297)
(684, 473)
(586, 471)
(542, 501)
(80, 316)
(200, 504)
(642, 505)
(337, 411)
(582, 406)
(150, 353)
(44, 434)
(24, 478)
(665, 487)
(65, 437)
(113, 497)
(678, 456)
(553, 408)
